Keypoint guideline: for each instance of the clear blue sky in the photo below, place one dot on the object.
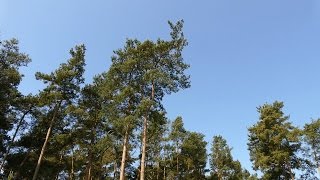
(242, 53)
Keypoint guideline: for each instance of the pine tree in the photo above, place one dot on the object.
(162, 73)
(156, 131)
(194, 156)
(62, 90)
(311, 137)
(11, 59)
(23, 112)
(140, 75)
(177, 136)
(274, 143)
(221, 160)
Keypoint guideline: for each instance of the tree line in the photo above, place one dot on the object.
(116, 127)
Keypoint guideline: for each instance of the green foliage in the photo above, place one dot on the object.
(96, 130)
(311, 148)
(311, 136)
(194, 156)
(62, 90)
(11, 59)
(274, 143)
(222, 164)
(221, 161)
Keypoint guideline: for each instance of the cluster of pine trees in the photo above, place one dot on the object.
(116, 127)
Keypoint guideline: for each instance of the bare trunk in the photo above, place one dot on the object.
(89, 167)
(72, 165)
(89, 173)
(164, 172)
(144, 143)
(13, 138)
(61, 156)
(165, 164)
(177, 166)
(124, 155)
(42, 151)
(177, 160)
(115, 170)
(158, 169)
(144, 138)
(45, 142)
(219, 176)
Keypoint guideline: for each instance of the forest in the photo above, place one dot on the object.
(116, 127)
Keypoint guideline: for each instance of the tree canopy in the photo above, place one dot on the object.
(116, 126)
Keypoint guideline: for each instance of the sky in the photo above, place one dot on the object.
(242, 53)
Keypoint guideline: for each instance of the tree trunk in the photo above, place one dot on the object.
(165, 163)
(72, 165)
(164, 172)
(61, 156)
(177, 166)
(144, 143)
(14, 136)
(89, 171)
(177, 160)
(124, 155)
(144, 138)
(89, 166)
(115, 170)
(46, 141)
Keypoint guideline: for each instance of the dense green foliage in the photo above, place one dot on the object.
(116, 127)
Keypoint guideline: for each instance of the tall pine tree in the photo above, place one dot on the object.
(274, 143)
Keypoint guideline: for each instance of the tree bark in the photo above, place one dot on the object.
(61, 156)
(144, 143)
(72, 165)
(115, 170)
(124, 155)
(144, 138)
(177, 165)
(46, 141)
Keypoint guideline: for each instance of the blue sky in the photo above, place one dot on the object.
(242, 53)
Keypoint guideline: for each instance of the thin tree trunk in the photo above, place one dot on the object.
(144, 143)
(89, 167)
(177, 166)
(124, 155)
(219, 176)
(89, 171)
(165, 163)
(177, 160)
(164, 172)
(60, 160)
(13, 138)
(45, 142)
(72, 165)
(115, 170)
(144, 138)
(158, 168)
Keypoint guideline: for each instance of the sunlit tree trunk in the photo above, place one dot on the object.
(124, 155)
(144, 143)
(46, 141)
(144, 139)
